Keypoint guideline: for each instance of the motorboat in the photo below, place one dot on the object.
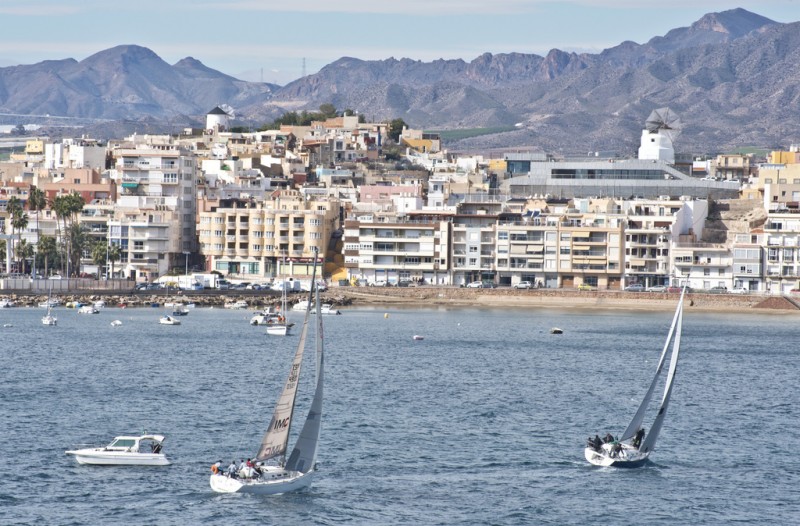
(144, 450)
(6, 303)
(325, 308)
(418, 337)
(556, 330)
(168, 320)
(99, 304)
(179, 309)
(88, 309)
(116, 323)
(238, 305)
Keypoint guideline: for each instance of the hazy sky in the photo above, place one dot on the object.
(271, 41)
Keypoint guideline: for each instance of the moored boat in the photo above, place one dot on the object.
(144, 450)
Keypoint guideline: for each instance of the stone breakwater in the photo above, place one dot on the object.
(439, 296)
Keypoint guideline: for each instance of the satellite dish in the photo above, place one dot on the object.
(664, 121)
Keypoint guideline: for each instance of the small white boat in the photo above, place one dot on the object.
(88, 309)
(50, 318)
(6, 303)
(241, 304)
(325, 308)
(116, 323)
(142, 450)
(100, 304)
(556, 330)
(50, 303)
(168, 320)
(418, 337)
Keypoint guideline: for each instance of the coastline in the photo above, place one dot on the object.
(427, 296)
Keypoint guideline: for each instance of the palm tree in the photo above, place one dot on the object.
(48, 247)
(19, 219)
(24, 252)
(99, 250)
(76, 240)
(59, 206)
(36, 203)
(113, 256)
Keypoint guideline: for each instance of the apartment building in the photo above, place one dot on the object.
(254, 241)
(390, 249)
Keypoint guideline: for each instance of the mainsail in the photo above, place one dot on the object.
(636, 422)
(650, 440)
(277, 435)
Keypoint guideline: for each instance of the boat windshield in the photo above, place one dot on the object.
(123, 443)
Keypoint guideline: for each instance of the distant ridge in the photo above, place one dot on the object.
(733, 77)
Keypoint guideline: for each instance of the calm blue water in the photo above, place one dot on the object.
(482, 422)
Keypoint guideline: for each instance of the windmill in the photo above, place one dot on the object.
(661, 128)
(664, 121)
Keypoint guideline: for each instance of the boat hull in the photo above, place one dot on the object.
(273, 482)
(629, 458)
(118, 458)
(277, 330)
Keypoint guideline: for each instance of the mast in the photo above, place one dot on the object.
(277, 436)
(636, 422)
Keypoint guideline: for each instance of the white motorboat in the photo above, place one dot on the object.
(168, 320)
(634, 447)
(325, 308)
(295, 471)
(116, 323)
(238, 305)
(144, 450)
(179, 309)
(88, 309)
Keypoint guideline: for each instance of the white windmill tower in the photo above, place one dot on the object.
(662, 127)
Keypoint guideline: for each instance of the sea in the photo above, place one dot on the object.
(483, 421)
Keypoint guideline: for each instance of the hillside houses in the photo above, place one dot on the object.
(259, 204)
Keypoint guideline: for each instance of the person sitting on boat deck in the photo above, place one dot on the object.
(156, 448)
(215, 468)
(608, 438)
(232, 469)
(615, 450)
(597, 442)
(638, 437)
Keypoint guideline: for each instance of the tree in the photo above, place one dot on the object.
(396, 128)
(99, 249)
(114, 255)
(36, 202)
(76, 242)
(24, 252)
(327, 110)
(19, 219)
(48, 248)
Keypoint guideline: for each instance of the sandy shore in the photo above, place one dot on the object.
(573, 299)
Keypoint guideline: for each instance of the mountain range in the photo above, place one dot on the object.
(733, 77)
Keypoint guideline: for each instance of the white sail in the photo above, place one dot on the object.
(650, 440)
(276, 438)
(636, 422)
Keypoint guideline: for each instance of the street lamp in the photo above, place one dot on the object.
(186, 253)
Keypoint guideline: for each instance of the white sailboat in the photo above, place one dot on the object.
(278, 325)
(276, 472)
(49, 318)
(634, 446)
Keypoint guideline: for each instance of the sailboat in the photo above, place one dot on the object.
(634, 446)
(49, 318)
(277, 325)
(276, 472)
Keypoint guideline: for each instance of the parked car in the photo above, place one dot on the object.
(524, 285)
(475, 285)
(740, 290)
(585, 286)
(718, 290)
(379, 283)
(635, 287)
(657, 288)
(675, 289)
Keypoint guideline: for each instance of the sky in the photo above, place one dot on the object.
(277, 42)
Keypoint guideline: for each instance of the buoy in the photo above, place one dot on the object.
(385, 314)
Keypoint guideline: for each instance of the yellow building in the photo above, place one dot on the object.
(253, 242)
